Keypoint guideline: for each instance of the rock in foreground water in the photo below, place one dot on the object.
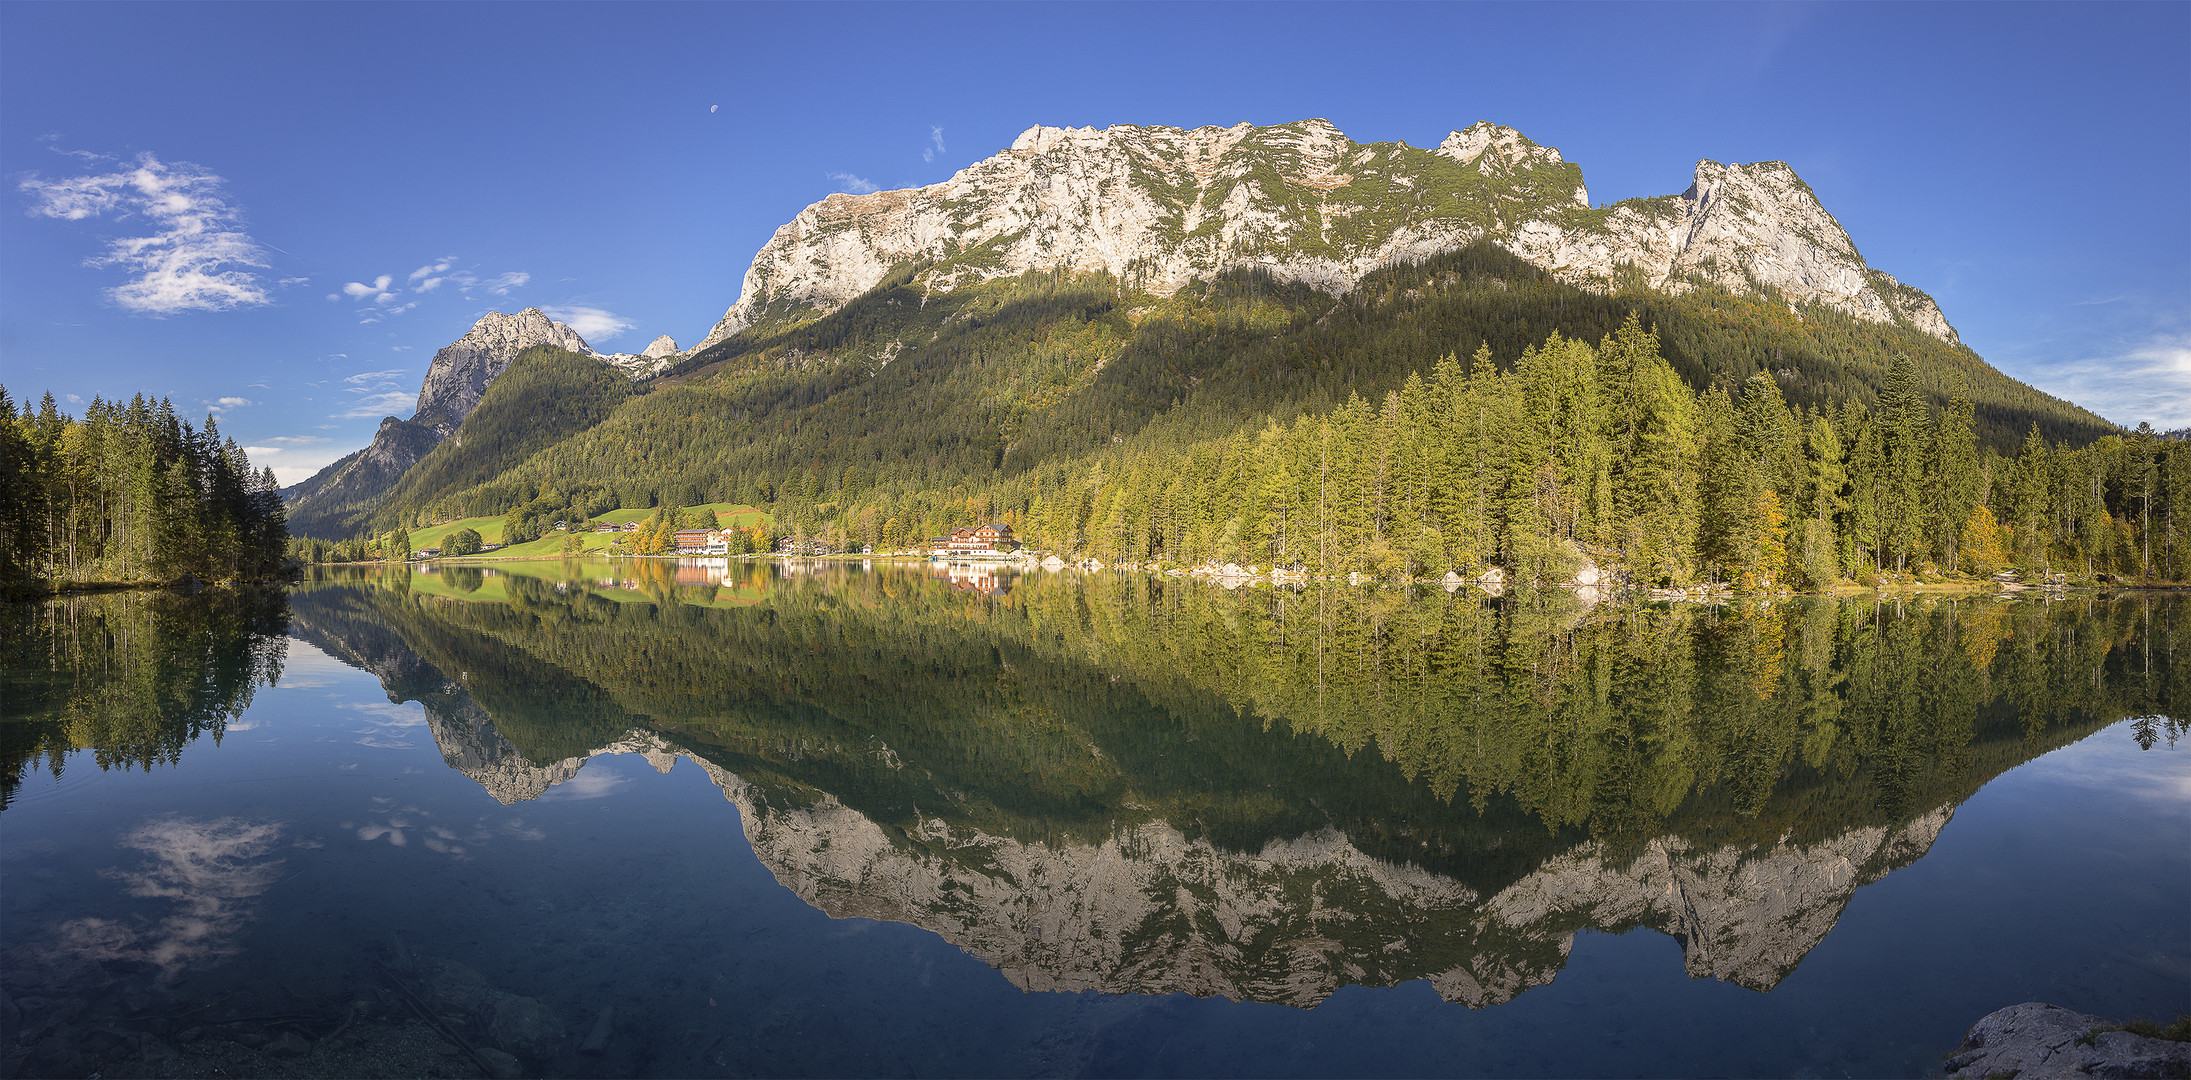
(2035, 1041)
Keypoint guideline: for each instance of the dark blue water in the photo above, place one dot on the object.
(392, 830)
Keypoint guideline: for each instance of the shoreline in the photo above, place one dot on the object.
(46, 590)
(1691, 594)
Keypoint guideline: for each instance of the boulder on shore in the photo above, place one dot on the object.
(2035, 1041)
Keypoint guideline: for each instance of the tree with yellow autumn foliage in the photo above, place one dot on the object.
(1984, 548)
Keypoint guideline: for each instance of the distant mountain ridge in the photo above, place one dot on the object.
(1158, 207)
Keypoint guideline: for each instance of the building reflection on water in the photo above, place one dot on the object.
(987, 579)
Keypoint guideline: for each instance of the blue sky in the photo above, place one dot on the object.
(190, 184)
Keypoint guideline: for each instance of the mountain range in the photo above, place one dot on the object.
(1086, 285)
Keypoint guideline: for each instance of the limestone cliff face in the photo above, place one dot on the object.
(1148, 910)
(1159, 207)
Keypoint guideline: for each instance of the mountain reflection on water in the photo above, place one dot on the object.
(1136, 785)
(1133, 785)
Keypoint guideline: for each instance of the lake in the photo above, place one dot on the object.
(717, 818)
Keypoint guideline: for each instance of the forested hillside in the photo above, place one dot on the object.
(547, 395)
(1212, 424)
(339, 500)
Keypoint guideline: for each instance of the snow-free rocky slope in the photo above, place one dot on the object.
(1158, 207)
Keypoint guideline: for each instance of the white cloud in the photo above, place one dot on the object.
(73, 399)
(358, 290)
(291, 281)
(2150, 381)
(222, 405)
(857, 185)
(387, 297)
(379, 394)
(190, 260)
(593, 324)
(501, 285)
(935, 143)
(384, 403)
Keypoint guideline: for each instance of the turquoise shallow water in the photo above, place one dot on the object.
(876, 825)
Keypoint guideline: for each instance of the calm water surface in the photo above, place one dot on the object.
(717, 819)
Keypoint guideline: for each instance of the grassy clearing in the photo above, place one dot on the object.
(431, 536)
(727, 514)
(551, 546)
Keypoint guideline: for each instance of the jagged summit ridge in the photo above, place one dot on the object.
(1161, 206)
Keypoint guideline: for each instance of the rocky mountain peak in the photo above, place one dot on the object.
(460, 372)
(659, 354)
(1158, 207)
(1470, 143)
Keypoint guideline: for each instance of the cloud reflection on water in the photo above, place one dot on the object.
(385, 723)
(210, 870)
(2159, 776)
(588, 784)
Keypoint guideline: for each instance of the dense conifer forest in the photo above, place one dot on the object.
(130, 493)
(1464, 413)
